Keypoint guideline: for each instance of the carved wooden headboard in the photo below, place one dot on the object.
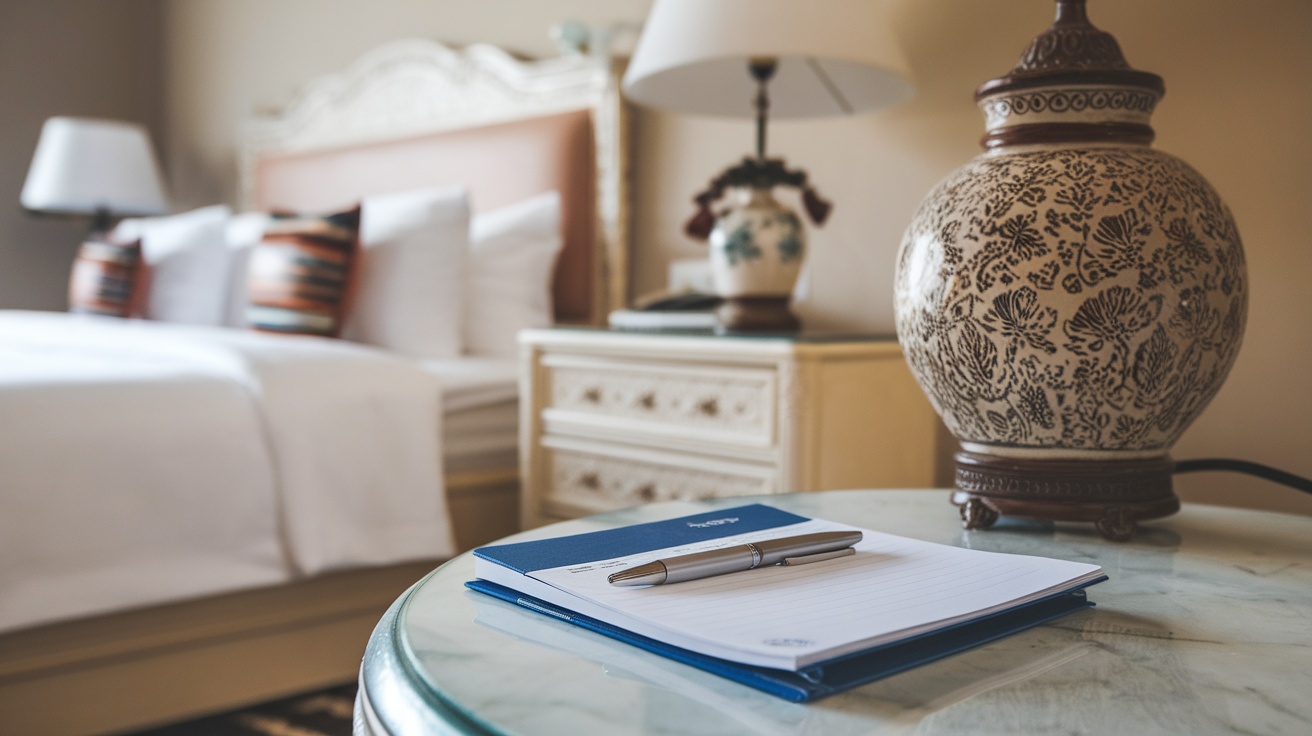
(416, 113)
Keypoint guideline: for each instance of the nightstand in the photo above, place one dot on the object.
(611, 419)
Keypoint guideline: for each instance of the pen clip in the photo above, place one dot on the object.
(818, 557)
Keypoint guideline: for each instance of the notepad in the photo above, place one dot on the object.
(893, 589)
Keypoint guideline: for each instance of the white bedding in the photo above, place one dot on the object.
(471, 382)
(480, 401)
(142, 462)
(482, 438)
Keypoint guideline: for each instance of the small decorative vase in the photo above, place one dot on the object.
(757, 244)
(756, 247)
(1071, 299)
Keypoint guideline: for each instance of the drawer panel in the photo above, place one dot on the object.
(714, 403)
(595, 482)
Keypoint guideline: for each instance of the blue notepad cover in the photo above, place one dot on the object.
(544, 554)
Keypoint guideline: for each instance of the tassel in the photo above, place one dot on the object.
(816, 207)
(699, 225)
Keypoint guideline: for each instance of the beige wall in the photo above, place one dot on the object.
(63, 57)
(1238, 107)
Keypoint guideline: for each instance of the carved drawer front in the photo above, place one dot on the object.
(596, 482)
(677, 400)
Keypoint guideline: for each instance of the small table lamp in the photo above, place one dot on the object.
(94, 167)
(781, 58)
(105, 169)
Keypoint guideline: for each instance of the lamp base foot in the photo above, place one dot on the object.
(1113, 494)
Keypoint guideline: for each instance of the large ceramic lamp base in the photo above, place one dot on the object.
(756, 314)
(1113, 494)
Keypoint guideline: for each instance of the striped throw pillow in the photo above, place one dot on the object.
(301, 273)
(107, 277)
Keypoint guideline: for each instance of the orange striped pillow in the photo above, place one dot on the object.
(108, 278)
(302, 273)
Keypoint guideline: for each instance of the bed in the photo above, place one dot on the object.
(323, 476)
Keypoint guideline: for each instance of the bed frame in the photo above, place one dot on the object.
(408, 114)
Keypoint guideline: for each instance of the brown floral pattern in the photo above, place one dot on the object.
(1082, 299)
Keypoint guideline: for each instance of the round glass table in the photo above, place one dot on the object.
(1205, 626)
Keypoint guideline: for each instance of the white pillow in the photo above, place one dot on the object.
(409, 273)
(189, 264)
(512, 256)
(244, 232)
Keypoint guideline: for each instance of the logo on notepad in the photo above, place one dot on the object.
(787, 642)
(712, 522)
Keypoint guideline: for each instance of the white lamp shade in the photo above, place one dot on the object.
(834, 57)
(83, 166)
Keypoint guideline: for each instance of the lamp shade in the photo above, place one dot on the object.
(835, 57)
(83, 166)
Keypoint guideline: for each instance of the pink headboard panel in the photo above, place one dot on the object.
(499, 164)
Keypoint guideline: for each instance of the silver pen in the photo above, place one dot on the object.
(796, 550)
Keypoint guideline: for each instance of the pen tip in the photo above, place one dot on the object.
(652, 573)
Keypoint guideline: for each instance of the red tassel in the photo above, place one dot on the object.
(699, 225)
(816, 207)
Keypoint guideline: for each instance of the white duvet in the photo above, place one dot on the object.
(142, 462)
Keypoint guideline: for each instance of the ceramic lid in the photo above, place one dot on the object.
(1072, 84)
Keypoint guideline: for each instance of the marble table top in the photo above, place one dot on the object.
(1205, 626)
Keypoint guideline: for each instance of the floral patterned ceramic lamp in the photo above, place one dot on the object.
(779, 58)
(1072, 298)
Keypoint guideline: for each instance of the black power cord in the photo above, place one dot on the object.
(1297, 482)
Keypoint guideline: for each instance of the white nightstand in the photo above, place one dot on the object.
(611, 419)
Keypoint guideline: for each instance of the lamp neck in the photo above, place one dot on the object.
(101, 220)
(762, 70)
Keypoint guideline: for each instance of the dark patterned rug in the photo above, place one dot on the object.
(321, 713)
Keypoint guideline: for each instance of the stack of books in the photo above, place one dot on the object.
(633, 319)
(671, 311)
